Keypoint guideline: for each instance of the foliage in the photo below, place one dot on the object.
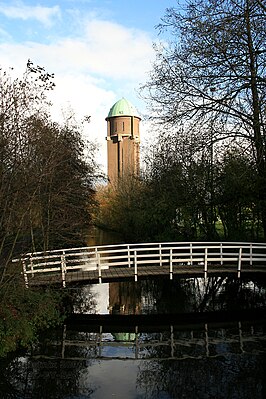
(47, 171)
(211, 77)
(24, 313)
(237, 197)
(180, 201)
(122, 209)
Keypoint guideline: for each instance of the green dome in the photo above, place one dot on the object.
(127, 337)
(122, 108)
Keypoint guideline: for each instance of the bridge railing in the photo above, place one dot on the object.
(172, 254)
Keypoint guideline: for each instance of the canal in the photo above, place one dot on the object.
(186, 338)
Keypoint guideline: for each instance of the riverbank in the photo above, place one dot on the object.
(24, 313)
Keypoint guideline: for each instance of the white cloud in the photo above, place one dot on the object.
(92, 70)
(107, 49)
(117, 51)
(45, 15)
(4, 35)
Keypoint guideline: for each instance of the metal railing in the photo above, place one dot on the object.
(171, 254)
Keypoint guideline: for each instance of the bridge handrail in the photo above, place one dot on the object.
(71, 259)
(164, 244)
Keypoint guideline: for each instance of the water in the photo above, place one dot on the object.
(171, 356)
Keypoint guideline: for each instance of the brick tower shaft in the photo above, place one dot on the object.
(122, 141)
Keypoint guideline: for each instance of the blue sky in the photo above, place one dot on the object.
(99, 50)
(22, 19)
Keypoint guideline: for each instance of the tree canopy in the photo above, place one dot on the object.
(46, 179)
(210, 78)
(205, 175)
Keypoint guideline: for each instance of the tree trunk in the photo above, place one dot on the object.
(258, 137)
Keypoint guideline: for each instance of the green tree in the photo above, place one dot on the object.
(237, 202)
(47, 170)
(182, 172)
(123, 209)
(65, 197)
(212, 75)
(203, 198)
(20, 99)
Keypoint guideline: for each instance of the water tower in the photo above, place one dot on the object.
(122, 140)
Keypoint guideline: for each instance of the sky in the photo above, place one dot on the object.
(99, 51)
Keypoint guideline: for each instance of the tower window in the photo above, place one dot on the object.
(123, 126)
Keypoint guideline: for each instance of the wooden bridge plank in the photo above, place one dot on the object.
(115, 273)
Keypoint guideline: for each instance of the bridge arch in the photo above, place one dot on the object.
(109, 262)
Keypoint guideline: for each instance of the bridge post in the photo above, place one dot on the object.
(221, 253)
(191, 253)
(63, 269)
(98, 264)
(205, 262)
(135, 266)
(239, 262)
(24, 268)
(160, 253)
(171, 264)
(136, 343)
(250, 255)
(128, 256)
(31, 267)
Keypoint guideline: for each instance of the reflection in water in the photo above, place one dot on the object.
(199, 360)
(177, 342)
(160, 296)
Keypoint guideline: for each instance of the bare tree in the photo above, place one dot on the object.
(212, 75)
(46, 183)
(20, 99)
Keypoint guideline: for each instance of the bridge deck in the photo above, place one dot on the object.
(118, 273)
(133, 261)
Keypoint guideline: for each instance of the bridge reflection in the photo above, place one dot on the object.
(150, 342)
(150, 336)
(163, 320)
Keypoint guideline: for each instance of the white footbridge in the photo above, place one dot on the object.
(108, 262)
